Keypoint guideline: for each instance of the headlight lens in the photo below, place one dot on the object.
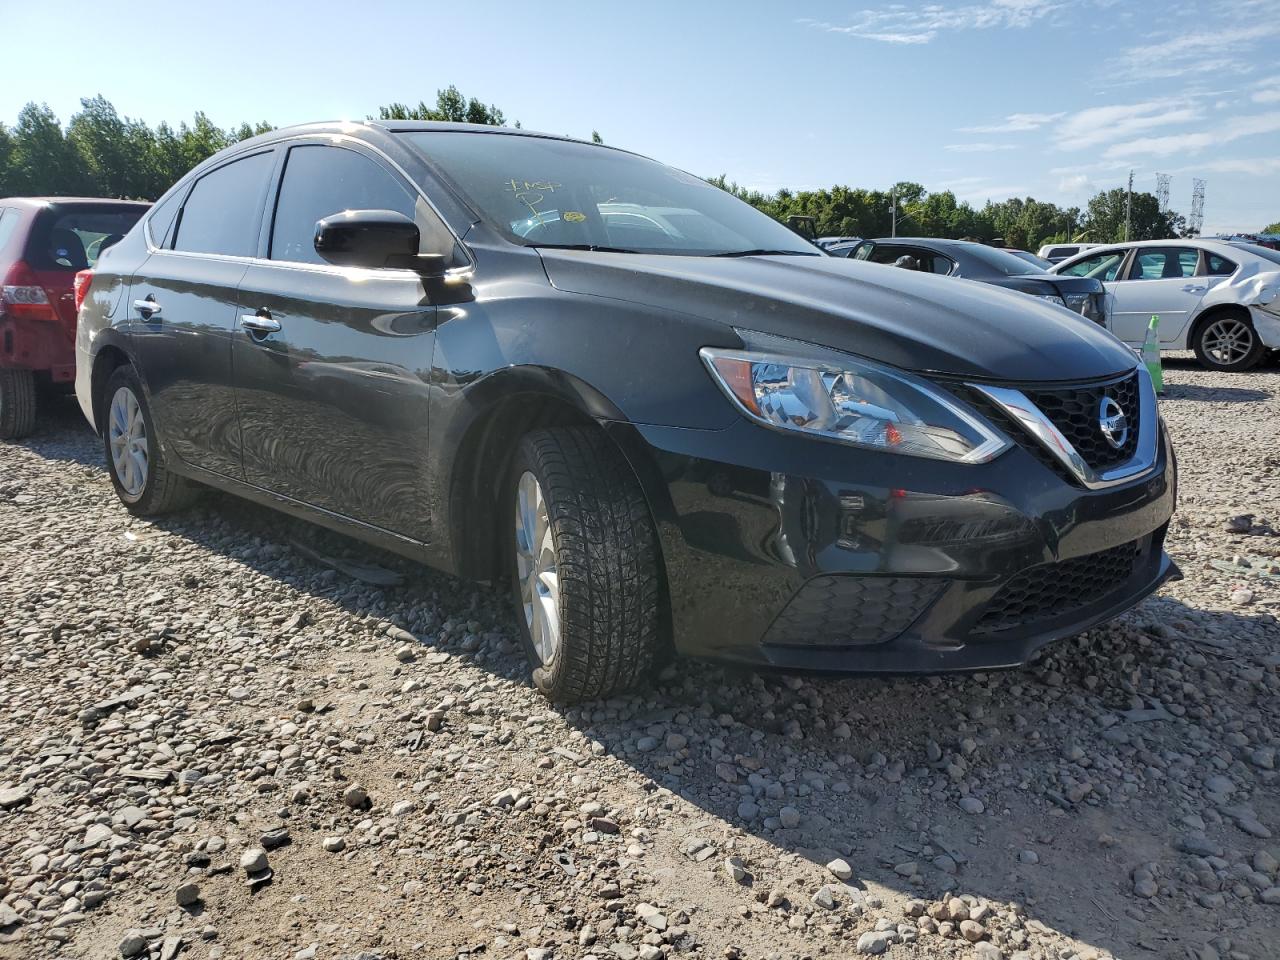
(790, 385)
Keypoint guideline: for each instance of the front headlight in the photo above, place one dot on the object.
(800, 387)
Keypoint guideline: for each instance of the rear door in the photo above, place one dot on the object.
(1162, 280)
(181, 311)
(333, 396)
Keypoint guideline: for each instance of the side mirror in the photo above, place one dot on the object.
(374, 238)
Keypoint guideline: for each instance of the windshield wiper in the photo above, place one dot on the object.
(594, 247)
(765, 253)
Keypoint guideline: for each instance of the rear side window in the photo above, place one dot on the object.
(1063, 252)
(320, 181)
(160, 223)
(1167, 263)
(73, 239)
(221, 212)
(1217, 266)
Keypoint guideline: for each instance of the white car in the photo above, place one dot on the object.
(1057, 252)
(1219, 298)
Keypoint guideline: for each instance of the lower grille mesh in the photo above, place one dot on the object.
(1055, 589)
(852, 611)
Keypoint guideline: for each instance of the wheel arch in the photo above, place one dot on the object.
(507, 404)
(1211, 313)
(109, 358)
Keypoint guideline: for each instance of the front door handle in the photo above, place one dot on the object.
(259, 323)
(148, 307)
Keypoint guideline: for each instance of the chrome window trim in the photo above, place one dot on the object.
(1017, 405)
(361, 273)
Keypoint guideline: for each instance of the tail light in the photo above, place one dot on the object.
(81, 287)
(22, 296)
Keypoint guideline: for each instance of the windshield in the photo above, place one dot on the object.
(1265, 253)
(541, 192)
(1002, 261)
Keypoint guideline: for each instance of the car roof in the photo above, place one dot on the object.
(68, 201)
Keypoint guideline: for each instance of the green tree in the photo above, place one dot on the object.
(451, 106)
(1105, 215)
(1273, 228)
(595, 137)
(43, 162)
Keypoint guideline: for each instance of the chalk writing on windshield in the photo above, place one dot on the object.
(531, 192)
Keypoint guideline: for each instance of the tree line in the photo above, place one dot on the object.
(101, 153)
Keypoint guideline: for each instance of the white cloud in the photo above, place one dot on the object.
(1255, 166)
(1201, 49)
(1074, 183)
(1097, 125)
(1225, 132)
(1266, 91)
(978, 147)
(1017, 123)
(897, 24)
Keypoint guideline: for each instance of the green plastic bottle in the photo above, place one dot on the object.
(1151, 353)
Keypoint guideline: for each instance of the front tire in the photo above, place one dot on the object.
(1227, 341)
(585, 566)
(17, 404)
(144, 484)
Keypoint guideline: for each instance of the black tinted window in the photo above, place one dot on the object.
(162, 217)
(221, 212)
(321, 181)
(1218, 266)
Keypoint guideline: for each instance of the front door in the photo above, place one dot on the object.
(332, 364)
(1160, 280)
(182, 313)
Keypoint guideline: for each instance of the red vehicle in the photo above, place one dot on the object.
(44, 242)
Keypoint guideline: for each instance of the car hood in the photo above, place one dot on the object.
(911, 320)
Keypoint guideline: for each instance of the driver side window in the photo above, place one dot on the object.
(320, 181)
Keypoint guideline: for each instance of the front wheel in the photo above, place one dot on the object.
(585, 566)
(144, 484)
(17, 404)
(1228, 342)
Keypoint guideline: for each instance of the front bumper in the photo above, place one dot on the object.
(858, 561)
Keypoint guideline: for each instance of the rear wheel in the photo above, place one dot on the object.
(17, 404)
(143, 483)
(584, 564)
(1227, 341)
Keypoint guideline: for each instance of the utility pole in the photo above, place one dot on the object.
(893, 205)
(1128, 206)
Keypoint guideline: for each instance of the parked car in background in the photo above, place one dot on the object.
(977, 261)
(1028, 256)
(826, 243)
(1218, 298)
(44, 241)
(695, 432)
(1057, 252)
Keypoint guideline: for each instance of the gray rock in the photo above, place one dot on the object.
(13, 797)
(873, 943)
(187, 895)
(840, 869)
(253, 860)
(972, 805)
(334, 844)
(134, 944)
(789, 817)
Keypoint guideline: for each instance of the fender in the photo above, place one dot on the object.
(1256, 288)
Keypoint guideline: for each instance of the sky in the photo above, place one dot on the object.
(1054, 99)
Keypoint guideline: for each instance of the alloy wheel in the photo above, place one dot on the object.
(1228, 341)
(130, 453)
(536, 568)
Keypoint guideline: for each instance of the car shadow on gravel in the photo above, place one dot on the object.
(1045, 786)
(62, 433)
(1190, 391)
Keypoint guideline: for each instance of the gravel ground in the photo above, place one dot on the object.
(214, 742)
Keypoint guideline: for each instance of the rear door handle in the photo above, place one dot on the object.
(259, 322)
(147, 307)
(1193, 288)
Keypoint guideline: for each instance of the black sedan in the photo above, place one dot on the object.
(664, 421)
(977, 261)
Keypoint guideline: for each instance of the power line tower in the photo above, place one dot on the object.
(1195, 222)
(1162, 191)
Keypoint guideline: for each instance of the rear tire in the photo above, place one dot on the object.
(585, 566)
(17, 404)
(1227, 341)
(144, 484)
